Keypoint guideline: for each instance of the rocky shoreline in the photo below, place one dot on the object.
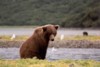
(56, 44)
(77, 44)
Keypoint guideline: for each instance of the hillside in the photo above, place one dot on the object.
(67, 13)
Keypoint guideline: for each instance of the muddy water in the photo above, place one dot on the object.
(56, 54)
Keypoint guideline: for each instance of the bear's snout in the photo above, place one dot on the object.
(52, 37)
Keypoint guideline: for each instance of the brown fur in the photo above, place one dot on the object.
(36, 45)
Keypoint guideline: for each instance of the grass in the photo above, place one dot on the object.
(24, 37)
(77, 37)
(46, 63)
(17, 38)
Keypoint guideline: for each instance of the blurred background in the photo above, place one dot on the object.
(66, 13)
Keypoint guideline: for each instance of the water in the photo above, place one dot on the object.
(29, 31)
(57, 54)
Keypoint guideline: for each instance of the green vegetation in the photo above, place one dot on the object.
(90, 38)
(17, 38)
(45, 63)
(66, 13)
(24, 37)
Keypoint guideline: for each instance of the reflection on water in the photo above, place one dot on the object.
(59, 53)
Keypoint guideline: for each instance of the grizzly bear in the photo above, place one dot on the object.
(36, 45)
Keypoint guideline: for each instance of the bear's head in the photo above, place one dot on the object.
(50, 31)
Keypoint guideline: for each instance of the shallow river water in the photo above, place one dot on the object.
(29, 31)
(56, 54)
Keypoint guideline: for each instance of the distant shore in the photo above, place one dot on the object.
(56, 44)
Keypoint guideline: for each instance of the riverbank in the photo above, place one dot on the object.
(66, 42)
(57, 44)
(46, 63)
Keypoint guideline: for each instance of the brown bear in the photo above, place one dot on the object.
(36, 45)
(85, 33)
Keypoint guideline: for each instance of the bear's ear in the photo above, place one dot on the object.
(37, 30)
(56, 26)
(44, 28)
